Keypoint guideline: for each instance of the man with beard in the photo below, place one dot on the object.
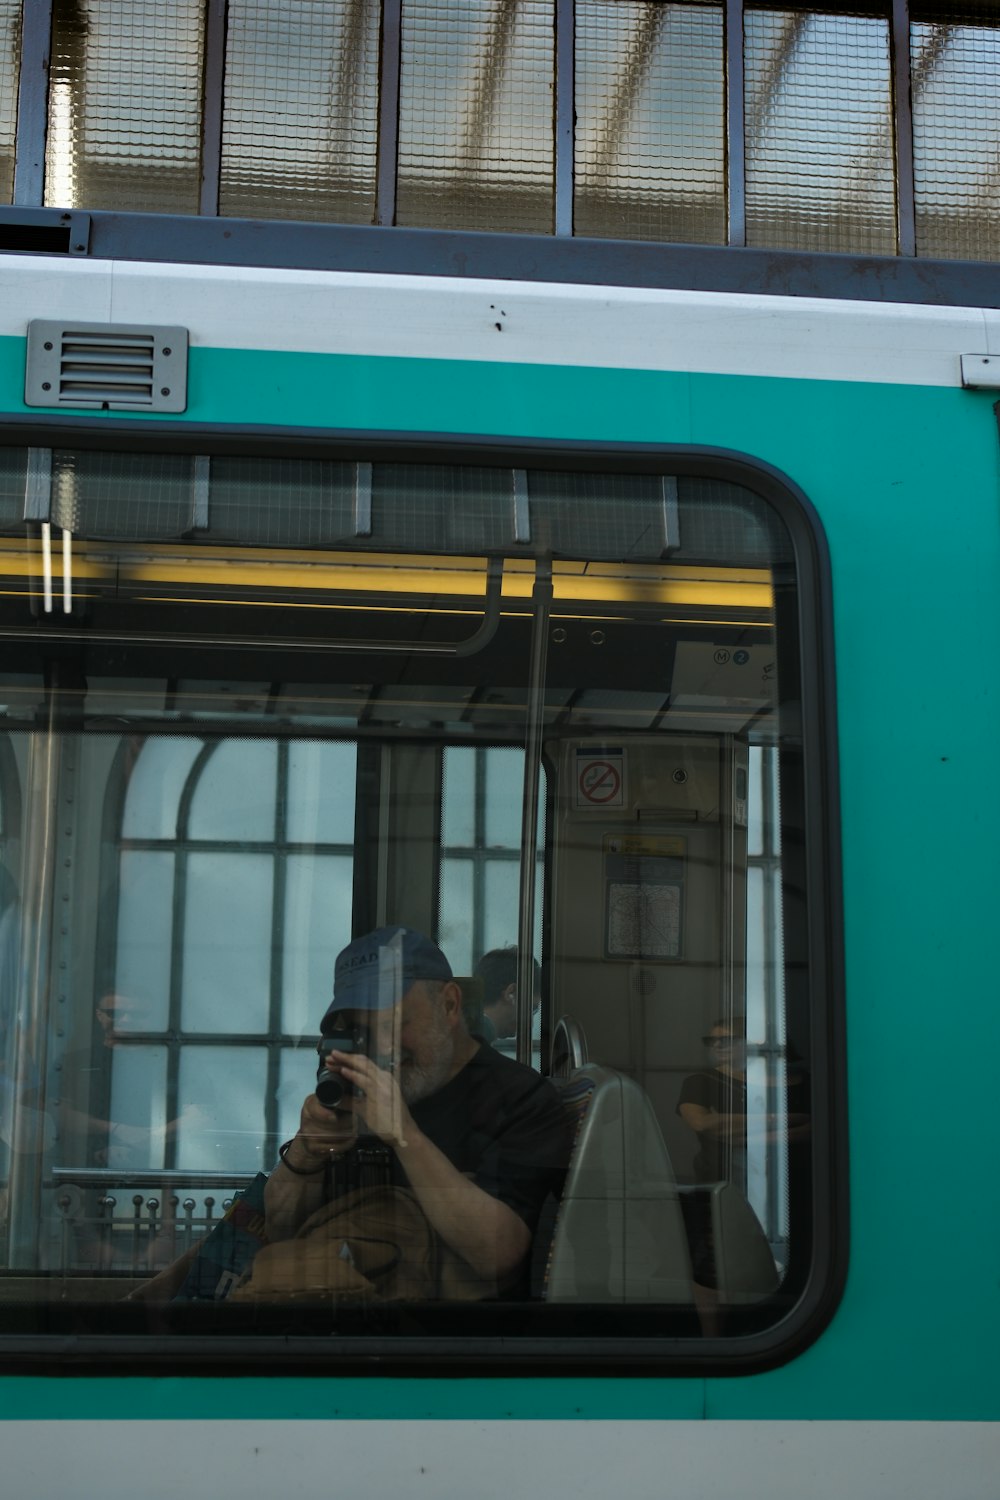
(479, 1140)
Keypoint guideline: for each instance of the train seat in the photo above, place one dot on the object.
(745, 1269)
(619, 1233)
(569, 1049)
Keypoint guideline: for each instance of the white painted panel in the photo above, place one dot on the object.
(542, 323)
(50, 287)
(992, 318)
(539, 323)
(495, 1460)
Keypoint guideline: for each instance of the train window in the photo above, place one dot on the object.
(564, 725)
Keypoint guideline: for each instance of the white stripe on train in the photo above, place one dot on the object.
(343, 312)
(500, 1460)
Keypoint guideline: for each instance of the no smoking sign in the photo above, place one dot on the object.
(600, 779)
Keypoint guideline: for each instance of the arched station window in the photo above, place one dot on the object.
(234, 872)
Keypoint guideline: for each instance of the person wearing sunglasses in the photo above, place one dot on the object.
(713, 1101)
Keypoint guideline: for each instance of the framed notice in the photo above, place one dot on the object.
(643, 895)
(600, 780)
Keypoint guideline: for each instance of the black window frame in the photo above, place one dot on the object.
(822, 936)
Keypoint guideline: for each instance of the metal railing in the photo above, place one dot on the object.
(114, 1223)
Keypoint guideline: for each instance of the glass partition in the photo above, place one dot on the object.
(10, 49)
(819, 138)
(650, 121)
(476, 143)
(955, 67)
(865, 130)
(574, 762)
(300, 119)
(125, 105)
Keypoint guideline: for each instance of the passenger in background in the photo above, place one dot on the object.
(497, 971)
(714, 1102)
(133, 1138)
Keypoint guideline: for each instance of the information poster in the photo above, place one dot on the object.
(643, 895)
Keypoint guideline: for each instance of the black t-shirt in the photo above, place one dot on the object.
(499, 1122)
(503, 1125)
(727, 1096)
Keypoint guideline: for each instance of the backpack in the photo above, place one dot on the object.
(372, 1244)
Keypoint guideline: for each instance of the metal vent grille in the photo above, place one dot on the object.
(107, 366)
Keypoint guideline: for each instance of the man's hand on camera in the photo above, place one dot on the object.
(377, 1098)
(322, 1131)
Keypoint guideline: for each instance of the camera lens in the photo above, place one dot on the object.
(330, 1090)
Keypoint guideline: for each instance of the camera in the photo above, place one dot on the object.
(331, 1089)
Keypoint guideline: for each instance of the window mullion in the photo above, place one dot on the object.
(173, 1037)
(32, 103)
(906, 238)
(565, 109)
(211, 112)
(479, 857)
(735, 125)
(388, 112)
(278, 901)
(178, 927)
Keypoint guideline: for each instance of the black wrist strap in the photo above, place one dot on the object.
(299, 1171)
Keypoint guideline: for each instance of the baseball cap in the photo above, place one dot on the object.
(376, 970)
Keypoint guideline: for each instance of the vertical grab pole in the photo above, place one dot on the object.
(541, 600)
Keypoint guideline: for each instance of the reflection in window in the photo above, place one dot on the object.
(480, 856)
(213, 880)
(956, 133)
(10, 940)
(234, 894)
(767, 1070)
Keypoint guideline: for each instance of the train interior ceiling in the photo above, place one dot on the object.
(568, 721)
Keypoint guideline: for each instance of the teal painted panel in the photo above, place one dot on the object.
(12, 352)
(358, 1398)
(906, 483)
(12, 357)
(354, 391)
(911, 517)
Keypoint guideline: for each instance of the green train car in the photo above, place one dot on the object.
(606, 627)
